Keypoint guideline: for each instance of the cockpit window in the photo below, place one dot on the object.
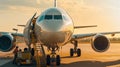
(57, 17)
(65, 18)
(41, 18)
(48, 17)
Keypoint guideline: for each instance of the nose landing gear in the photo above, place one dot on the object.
(53, 59)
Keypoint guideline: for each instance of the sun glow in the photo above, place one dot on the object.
(105, 14)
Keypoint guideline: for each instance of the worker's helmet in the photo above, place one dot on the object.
(16, 46)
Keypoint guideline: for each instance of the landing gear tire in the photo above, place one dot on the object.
(48, 60)
(51, 60)
(78, 52)
(58, 60)
(71, 52)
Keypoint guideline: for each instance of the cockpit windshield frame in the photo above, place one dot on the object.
(50, 17)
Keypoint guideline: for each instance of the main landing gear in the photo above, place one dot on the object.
(75, 50)
(53, 59)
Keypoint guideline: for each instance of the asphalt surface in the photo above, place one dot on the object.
(89, 58)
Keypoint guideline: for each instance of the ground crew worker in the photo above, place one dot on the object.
(33, 22)
(19, 54)
(15, 54)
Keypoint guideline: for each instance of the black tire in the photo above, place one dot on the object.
(58, 61)
(71, 52)
(25, 49)
(78, 52)
(48, 60)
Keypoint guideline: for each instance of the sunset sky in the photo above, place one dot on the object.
(104, 13)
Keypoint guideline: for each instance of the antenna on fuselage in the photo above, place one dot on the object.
(55, 3)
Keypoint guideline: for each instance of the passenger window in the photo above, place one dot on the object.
(48, 17)
(57, 17)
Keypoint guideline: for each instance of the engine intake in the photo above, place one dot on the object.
(100, 43)
(6, 43)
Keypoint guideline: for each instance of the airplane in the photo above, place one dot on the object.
(54, 28)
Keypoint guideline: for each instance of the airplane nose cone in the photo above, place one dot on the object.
(54, 27)
(51, 26)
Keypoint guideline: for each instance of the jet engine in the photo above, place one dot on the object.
(6, 42)
(100, 43)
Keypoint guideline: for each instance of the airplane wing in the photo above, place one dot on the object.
(77, 36)
(13, 34)
(18, 34)
(76, 27)
(21, 25)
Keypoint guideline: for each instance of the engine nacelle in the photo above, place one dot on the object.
(6, 42)
(100, 43)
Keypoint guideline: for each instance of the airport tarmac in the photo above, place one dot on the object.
(89, 57)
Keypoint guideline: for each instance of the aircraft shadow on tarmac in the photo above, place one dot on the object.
(75, 64)
(91, 64)
(10, 64)
(70, 57)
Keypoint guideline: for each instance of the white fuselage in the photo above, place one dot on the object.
(53, 27)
